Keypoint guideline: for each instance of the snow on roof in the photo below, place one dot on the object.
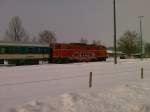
(111, 52)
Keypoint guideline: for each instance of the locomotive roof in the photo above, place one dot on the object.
(2, 43)
(80, 44)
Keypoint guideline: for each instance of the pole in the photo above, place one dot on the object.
(115, 54)
(141, 38)
(142, 75)
(90, 80)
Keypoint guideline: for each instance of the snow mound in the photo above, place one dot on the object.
(123, 99)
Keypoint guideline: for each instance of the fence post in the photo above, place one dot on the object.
(142, 75)
(90, 80)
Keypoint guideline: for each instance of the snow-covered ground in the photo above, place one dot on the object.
(64, 87)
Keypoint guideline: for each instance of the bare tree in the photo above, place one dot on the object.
(94, 42)
(48, 37)
(83, 41)
(98, 42)
(16, 32)
(34, 39)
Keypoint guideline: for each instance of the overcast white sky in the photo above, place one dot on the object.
(73, 19)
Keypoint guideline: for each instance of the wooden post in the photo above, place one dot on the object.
(90, 80)
(142, 75)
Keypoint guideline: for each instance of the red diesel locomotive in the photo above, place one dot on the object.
(76, 52)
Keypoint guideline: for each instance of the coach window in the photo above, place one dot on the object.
(34, 50)
(12, 50)
(17, 50)
(37, 50)
(40, 50)
(44, 50)
(2, 50)
(21, 50)
(24, 50)
(9, 50)
(29, 50)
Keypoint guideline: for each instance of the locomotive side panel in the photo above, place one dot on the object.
(79, 53)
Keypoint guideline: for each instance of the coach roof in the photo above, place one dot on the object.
(2, 43)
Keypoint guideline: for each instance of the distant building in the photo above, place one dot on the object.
(120, 54)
